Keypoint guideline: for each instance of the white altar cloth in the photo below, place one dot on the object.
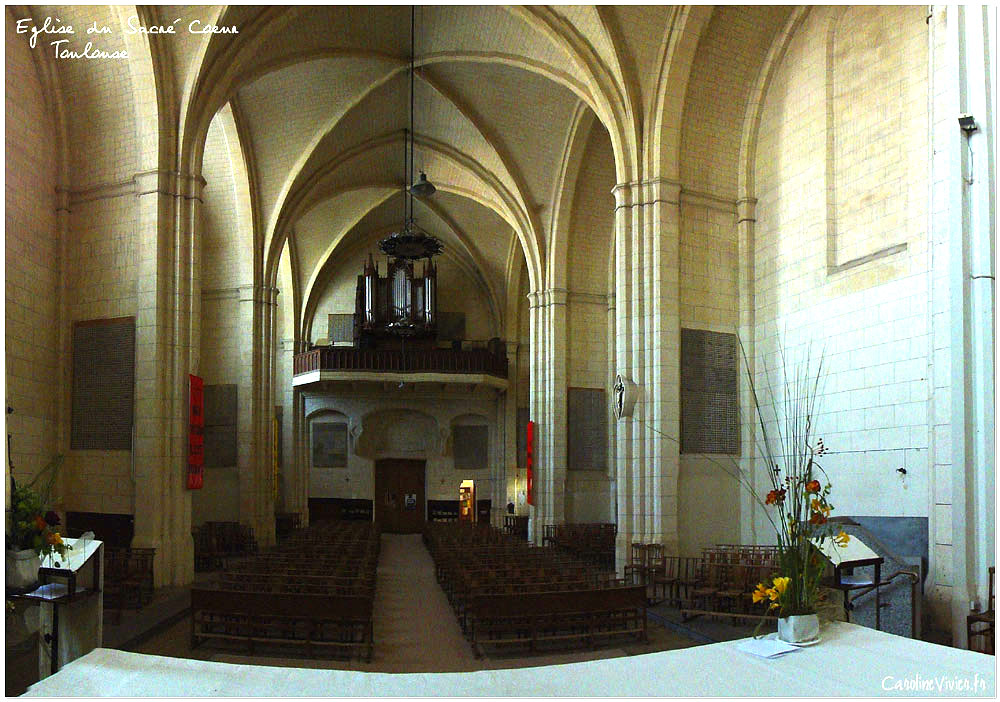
(849, 661)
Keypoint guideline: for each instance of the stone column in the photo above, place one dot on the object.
(300, 454)
(257, 309)
(549, 310)
(536, 407)
(168, 285)
(746, 217)
(511, 400)
(647, 351)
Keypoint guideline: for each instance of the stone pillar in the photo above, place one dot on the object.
(257, 309)
(548, 380)
(647, 351)
(300, 455)
(746, 217)
(536, 403)
(168, 285)
(511, 401)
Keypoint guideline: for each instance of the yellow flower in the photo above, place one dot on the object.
(780, 585)
(773, 594)
(818, 506)
(842, 538)
(760, 594)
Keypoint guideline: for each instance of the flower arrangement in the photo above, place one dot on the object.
(803, 524)
(798, 500)
(32, 525)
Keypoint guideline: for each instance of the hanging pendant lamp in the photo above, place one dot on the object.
(411, 242)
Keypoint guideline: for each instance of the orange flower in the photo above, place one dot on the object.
(817, 518)
(775, 497)
(53, 538)
(812, 486)
(40, 523)
(820, 507)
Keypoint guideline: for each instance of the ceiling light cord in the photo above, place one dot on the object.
(413, 15)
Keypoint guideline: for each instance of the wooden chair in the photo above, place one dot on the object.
(987, 618)
(636, 564)
(667, 577)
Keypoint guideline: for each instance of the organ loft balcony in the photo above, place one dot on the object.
(395, 335)
(409, 363)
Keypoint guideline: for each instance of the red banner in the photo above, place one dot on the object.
(196, 435)
(529, 436)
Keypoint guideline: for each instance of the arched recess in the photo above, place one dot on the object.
(398, 433)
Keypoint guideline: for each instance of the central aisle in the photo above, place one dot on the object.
(415, 628)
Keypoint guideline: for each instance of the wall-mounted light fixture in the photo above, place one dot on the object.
(967, 123)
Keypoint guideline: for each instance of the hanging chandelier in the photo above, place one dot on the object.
(411, 242)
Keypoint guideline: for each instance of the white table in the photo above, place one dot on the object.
(849, 661)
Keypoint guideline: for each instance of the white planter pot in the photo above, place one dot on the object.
(799, 628)
(22, 568)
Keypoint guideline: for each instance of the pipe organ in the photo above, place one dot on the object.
(400, 304)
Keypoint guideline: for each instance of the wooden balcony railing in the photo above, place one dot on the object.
(415, 361)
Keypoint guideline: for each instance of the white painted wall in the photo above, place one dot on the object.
(425, 435)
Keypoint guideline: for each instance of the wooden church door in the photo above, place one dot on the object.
(399, 495)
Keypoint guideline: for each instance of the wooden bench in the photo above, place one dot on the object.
(308, 620)
(582, 616)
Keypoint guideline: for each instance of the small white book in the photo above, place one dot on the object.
(766, 648)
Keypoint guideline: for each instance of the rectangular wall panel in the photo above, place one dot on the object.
(586, 429)
(709, 392)
(471, 447)
(221, 408)
(329, 445)
(103, 384)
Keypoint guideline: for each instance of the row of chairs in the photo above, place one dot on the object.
(508, 592)
(216, 543)
(593, 542)
(315, 590)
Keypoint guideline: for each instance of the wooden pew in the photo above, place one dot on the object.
(309, 620)
(572, 615)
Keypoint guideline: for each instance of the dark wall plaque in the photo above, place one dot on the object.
(586, 429)
(329, 444)
(709, 393)
(471, 445)
(221, 408)
(522, 436)
(103, 384)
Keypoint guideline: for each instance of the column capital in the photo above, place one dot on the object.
(173, 183)
(638, 193)
(746, 210)
(556, 296)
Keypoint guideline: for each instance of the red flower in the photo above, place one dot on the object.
(40, 523)
(817, 518)
(812, 486)
(775, 497)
